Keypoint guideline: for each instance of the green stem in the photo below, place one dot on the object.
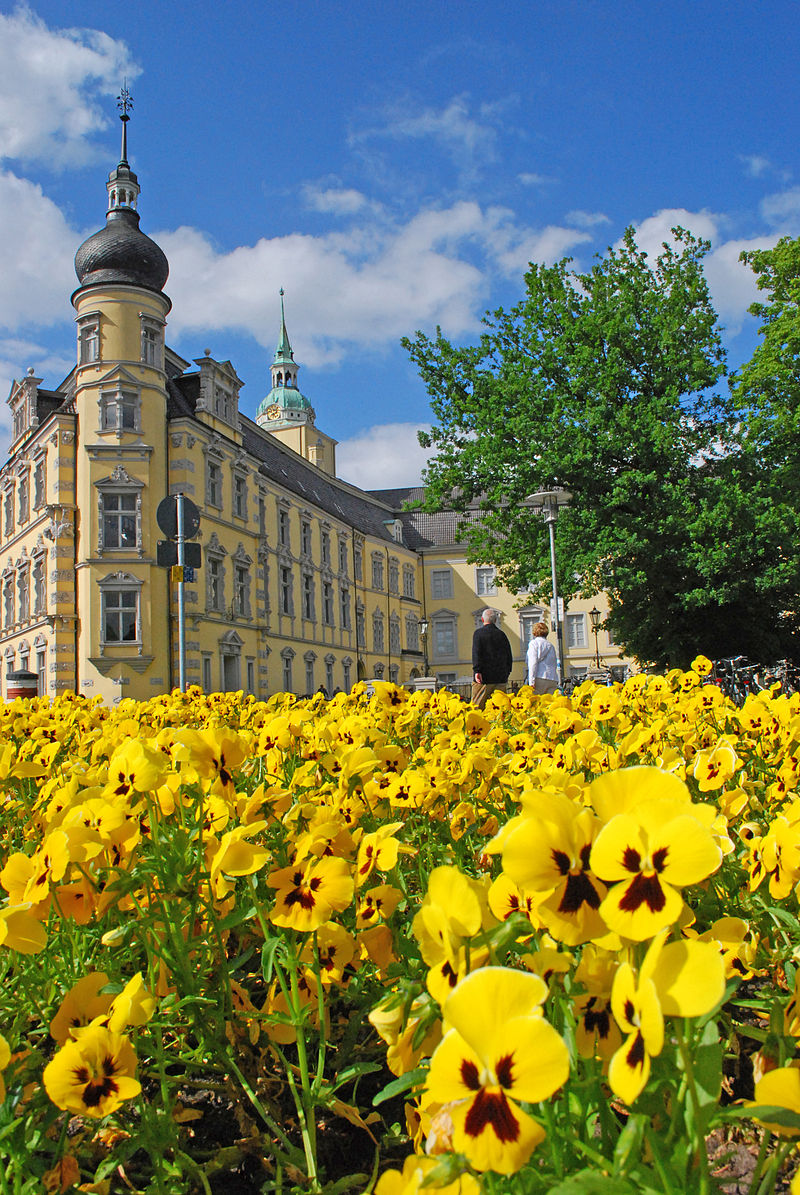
(699, 1152)
(759, 1166)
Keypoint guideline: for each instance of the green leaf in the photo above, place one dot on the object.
(397, 1086)
(592, 1182)
(629, 1144)
(766, 1113)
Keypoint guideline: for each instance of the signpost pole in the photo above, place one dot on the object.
(181, 598)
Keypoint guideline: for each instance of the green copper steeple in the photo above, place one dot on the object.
(284, 405)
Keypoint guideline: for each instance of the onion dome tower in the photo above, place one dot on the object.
(120, 253)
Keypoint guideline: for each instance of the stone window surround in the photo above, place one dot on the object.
(117, 583)
(119, 482)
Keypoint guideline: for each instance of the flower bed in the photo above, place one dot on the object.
(377, 942)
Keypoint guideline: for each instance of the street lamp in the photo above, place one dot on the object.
(546, 503)
(595, 616)
(423, 634)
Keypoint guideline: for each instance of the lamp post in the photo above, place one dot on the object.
(423, 634)
(595, 616)
(547, 503)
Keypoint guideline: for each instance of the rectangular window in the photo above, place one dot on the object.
(22, 491)
(89, 340)
(286, 590)
(309, 676)
(241, 591)
(38, 485)
(394, 576)
(305, 539)
(576, 630)
(39, 592)
(214, 574)
(358, 564)
(8, 601)
(24, 593)
(394, 636)
(41, 669)
(251, 676)
(207, 682)
(120, 615)
(119, 520)
(329, 676)
(326, 547)
(394, 673)
(346, 674)
(444, 637)
(412, 634)
(342, 555)
(262, 517)
(408, 580)
(287, 674)
(345, 609)
(283, 529)
(377, 635)
(8, 506)
(327, 603)
(151, 343)
(239, 496)
(308, 596)
(441, 583)
(361, 628)
(214, 484)
(119, 411)
(377, 571)
(485, 581)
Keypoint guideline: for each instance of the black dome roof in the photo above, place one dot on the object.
(120, 252)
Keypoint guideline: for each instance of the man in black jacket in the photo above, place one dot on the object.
(491, 658)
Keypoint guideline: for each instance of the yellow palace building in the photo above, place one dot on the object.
(305, 581)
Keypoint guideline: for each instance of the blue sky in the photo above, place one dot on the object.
(392, 166)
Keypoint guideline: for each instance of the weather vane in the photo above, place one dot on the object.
(124, 101)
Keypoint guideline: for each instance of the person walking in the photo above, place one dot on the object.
(542, 661)
(492, 660)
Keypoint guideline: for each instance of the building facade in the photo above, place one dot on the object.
(306, 581)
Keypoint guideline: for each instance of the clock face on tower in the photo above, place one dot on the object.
(273, 411)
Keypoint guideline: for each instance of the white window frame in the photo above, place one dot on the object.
(576, 630)
(441, 583)
(486, 580)
(111, 588)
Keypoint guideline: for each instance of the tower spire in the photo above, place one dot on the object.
(123, 185)
(124, 103)
(283, 353)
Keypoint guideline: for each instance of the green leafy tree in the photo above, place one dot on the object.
(603, 383)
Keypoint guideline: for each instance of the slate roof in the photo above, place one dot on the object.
(427, 529)
(363, 511)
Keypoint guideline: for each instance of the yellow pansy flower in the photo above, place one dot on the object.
(498, 1051)
(92, 1074)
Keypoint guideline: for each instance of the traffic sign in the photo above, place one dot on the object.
(167, 554)
(167, 517)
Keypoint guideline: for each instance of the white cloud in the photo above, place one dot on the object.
(48, 85)
(755, 165)
(36, 255)
(341, 201)
(368, 285)
(383, 457)
(468, 140)
(529, 179)
(782, 211)
(586, 219)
